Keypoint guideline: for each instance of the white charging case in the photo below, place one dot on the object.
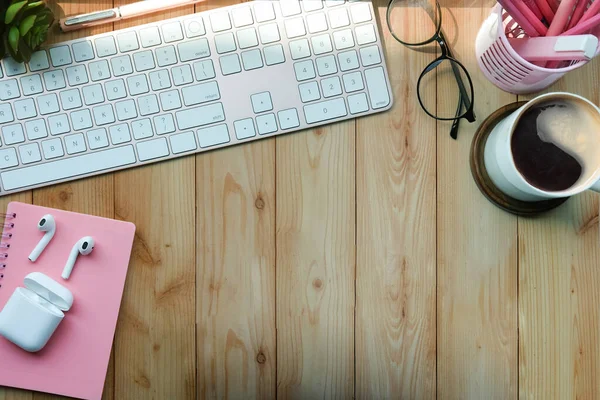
(33, 312)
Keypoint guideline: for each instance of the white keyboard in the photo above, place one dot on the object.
(187, 85)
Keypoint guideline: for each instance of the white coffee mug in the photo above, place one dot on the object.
(500, 163)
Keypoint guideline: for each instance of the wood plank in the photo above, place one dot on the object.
(155, 346)
(477, 248)
(395, 279)
(315, 186)
(559, 305)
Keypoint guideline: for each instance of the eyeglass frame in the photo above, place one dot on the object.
(446, 54)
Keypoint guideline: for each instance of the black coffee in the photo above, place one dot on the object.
(542, 163)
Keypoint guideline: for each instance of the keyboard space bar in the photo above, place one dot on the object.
(67, 168)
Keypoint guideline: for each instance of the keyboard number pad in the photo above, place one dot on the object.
(331, 86)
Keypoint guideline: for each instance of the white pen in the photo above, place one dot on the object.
(118, 13)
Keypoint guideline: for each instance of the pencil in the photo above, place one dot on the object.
(533, 7)
(578, 13)
(584, 26)
(546, 10)
(518, 17)
(591, 11)
(533, 20)
(561, 18)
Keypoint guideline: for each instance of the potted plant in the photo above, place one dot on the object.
(24, 27)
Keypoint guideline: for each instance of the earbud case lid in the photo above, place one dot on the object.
(49, 289)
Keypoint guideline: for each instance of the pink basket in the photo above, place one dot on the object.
(503, 66)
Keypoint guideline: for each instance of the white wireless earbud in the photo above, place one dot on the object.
(84, 247)
(47, 225)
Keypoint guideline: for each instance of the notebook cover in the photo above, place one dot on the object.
(75, 360)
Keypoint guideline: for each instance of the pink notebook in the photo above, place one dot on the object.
(75, 360)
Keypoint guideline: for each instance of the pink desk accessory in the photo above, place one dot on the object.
(556, 48)
(75, 360)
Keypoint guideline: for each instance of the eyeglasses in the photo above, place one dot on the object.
(418, 23)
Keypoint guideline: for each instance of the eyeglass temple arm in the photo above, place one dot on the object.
(456, 122)
(447, 51)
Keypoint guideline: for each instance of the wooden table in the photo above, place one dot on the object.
(354, 260)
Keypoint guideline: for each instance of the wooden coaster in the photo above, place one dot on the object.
(485, 184)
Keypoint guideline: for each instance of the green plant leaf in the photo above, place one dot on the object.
(13, 38)
(26, 24)
(13, 10)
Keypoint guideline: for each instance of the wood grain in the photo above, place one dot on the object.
(477, 249)
(395, 279)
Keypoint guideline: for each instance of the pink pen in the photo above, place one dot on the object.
(591, 11)
(531, 17)
(518, 17)
(585, 26)
(561, 18)
(546, 10)
(554, 5)
(534, 8)
(578, 13)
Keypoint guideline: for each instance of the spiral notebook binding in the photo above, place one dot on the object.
(5, 241)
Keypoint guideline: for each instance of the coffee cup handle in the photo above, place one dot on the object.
(596, 187)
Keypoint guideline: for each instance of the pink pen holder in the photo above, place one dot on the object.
(503, 66)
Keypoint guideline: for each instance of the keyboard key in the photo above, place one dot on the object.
(70, 99)
(261, 102)
(338, 18)
(83, 51)
(361, 12)
(333, 3)
(312, 5)
(242, 16)
(309, 91)
(148, 104)
(164, 124)
(219, 21)
(97, 138)
(225, 43)
(194, 49)
(36, 129)
(59, 124)
(304, 70)
(169, 100)
(370, 56)
(244, 128)
(166, 56)
(316, 22)
(143, 60)
(204, 70)
(289, 7)
(8, 158)
(213, 135)
(321, 44)
(274, 54)
(266, 124)
(99, 70)
(343, 39)
(288, 119)
(137, 84)
(348, 60)
(92, 94)
(6, 114)
(75, 143)
(13, 134)
(127, 42)
(54, 80)
(194, 27)
(150, 37)
(325, 110)
(115, 89)
(230, 64)
(160, 80)
(252, 59)
(105, 46)
(202, 93)
(172, 32)
(299, 49)
(198, 116)
(13, 68)
(52, 148)
(142, 129)
(25, 109)
(152, 149)
(119, 134)
(353, 82)
(77, 75)
(81, 119)
(294, 27)
(183, 142)
(48, 104)
(103, 114)
(377, 87)
(30, 153)
(68, 168)
(264, 11)
(247, 38)
(365, 34)
(60, 56)
(331, 86)
(326, 65)
(182, 75)
(9, 90)
(126, 110)
(121, 65)
(268, 33)
(39, 61)
(32, 84)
